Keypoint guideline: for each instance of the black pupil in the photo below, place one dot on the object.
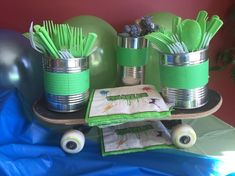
(71, 145)
(185, 139)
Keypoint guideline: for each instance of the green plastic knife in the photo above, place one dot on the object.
(201, 19)
(91, 38)
(46, 40)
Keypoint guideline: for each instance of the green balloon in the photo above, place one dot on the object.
(152, 72)
(163, 19)
(103, 65)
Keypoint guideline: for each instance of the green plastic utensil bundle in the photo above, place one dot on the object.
(61, 40)
(187, 35)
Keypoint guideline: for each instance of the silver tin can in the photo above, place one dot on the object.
(184, 98)
(66, 103)
(131, 75)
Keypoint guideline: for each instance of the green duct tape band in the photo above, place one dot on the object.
(66, 83)
(184, 77)
(131, 57)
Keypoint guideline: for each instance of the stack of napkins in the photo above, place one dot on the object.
(134, 137)
(113, 106)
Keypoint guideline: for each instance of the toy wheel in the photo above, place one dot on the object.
(183, 136)
(72, 141)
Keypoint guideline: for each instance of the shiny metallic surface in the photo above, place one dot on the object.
(132, 75)
(132, 42)
(70, 103)
(191, 58)
(66, 103)
(186, 98)
(65, 65)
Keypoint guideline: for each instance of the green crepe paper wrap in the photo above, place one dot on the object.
(184, 77)
(66, 83)
(131, 57)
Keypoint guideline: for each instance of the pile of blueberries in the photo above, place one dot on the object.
(142, 27)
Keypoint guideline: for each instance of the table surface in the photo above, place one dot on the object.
(214, 138)
(28, 147)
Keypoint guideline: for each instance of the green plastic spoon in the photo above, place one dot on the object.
(191, 34)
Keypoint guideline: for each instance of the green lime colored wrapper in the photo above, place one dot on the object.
(185, 77)
(66, 83)
(132, 57)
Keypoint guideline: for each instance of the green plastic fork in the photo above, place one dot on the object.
(74, 42)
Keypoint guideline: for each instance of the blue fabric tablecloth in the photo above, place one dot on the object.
(28, 148)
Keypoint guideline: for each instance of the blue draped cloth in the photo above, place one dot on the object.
(29, 148)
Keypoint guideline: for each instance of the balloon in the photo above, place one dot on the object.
(103, 65)
(152, 74)
(163, 19)
(20, 65)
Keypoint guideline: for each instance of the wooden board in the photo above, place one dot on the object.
(77, 118)
(71, 118)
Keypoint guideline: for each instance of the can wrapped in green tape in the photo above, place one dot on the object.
(66, 83)
(184, 78)
(132, 54)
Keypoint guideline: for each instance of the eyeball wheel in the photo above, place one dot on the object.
(183, 136)
(72, 141)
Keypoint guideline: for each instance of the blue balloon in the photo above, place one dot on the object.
(20, 65)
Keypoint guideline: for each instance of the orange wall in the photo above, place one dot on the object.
(17, 15)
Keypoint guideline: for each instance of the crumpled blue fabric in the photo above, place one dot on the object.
(29, 148)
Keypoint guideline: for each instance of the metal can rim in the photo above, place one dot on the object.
(65, 65)
(131, 42)
(189, 58)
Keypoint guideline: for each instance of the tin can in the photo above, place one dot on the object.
(66, 83)
(131, 58)
(184, 79)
